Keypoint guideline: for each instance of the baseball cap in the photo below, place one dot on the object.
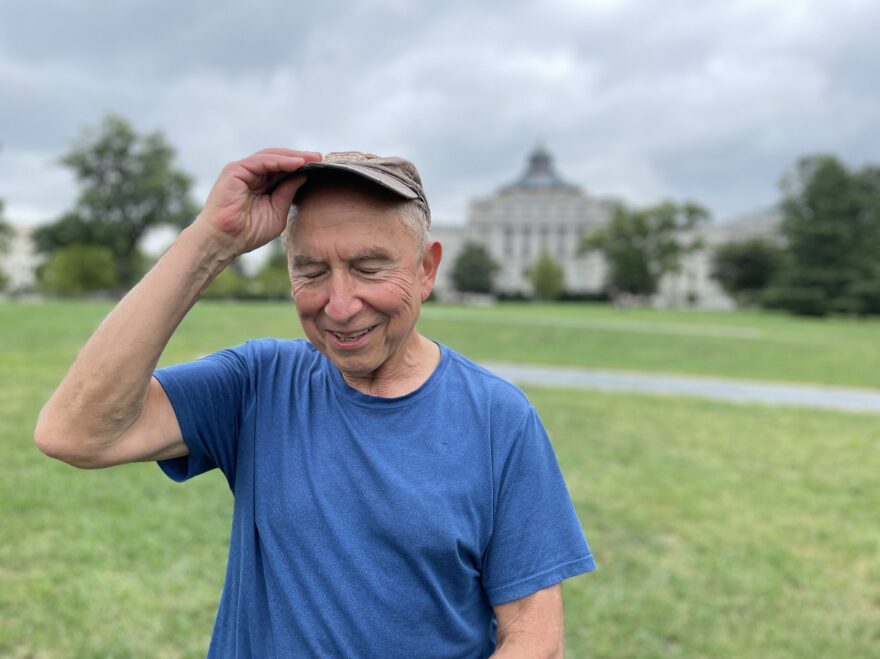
(393, 173)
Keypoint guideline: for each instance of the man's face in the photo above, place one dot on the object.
(358, 280)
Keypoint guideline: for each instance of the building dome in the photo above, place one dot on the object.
(540, 175)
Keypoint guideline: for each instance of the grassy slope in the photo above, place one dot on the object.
(720, 530)
(747, 345)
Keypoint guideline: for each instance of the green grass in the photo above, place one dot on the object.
(743, 345)
(720, 530)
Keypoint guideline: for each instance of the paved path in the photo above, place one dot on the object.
(746, 391)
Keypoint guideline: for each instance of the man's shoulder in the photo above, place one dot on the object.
(272, 355)
(482, 381)
(269, 348)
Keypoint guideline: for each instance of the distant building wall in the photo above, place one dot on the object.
(20, 261)
(540, 211)
(693, 284)
(452, 238)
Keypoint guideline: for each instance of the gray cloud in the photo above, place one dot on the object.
(642, 100)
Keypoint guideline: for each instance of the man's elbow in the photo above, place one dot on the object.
(62, 444)
(532, 626)
(554, 649)
(534, 646)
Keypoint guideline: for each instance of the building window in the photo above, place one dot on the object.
(545, 238)
(560, 241)
(526, 247)
(508, 241)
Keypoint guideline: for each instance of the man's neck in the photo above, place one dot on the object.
(406, 374)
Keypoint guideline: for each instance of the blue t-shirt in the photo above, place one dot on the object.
(367, 526)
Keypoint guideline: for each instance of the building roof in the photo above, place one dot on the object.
(540, 175)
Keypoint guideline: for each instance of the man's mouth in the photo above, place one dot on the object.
(351, 337)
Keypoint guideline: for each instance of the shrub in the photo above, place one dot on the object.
(77, 270)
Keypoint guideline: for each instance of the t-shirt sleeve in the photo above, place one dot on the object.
(207, 396)
(536, 539)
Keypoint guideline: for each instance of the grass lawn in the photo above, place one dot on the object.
(744, 345)
(720, 530)
(755, 345)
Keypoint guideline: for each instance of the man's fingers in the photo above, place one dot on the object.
(276, 180)
(266, 163)
(258, 170)
(284, 192)
(308, 156)
(263, 170)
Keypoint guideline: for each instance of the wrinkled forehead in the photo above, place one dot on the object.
(328, 206)
(341, 198)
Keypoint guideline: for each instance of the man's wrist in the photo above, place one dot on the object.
(212, 249)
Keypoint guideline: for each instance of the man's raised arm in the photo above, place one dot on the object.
(109, 409)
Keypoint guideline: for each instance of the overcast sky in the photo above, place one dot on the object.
(642, 100)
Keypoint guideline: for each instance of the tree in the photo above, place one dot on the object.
(642, 245)
(227, 285)
(272, 281)
(473, 270)
(831, 225)
(745, 269)
(547, 278)
(78, 269)
(128, 184)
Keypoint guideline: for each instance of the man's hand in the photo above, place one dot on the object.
(240, 212)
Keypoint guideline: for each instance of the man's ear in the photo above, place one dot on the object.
(431, 256)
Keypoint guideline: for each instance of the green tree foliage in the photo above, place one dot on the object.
(548, 282)
(272, 281)
(229, 284)
(78, 269)
(745, 269)
(831, 225)
(473, 270)
(642, 245)
(128, 184)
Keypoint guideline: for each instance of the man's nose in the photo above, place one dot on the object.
(344, 302)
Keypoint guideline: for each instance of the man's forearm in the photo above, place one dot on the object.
(525, 648)
(104, 391)
(532, 626)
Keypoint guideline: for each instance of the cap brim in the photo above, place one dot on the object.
(385, 180)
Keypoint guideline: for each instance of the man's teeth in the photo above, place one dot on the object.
(351, 337)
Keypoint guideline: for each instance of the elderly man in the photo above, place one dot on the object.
(392, 498)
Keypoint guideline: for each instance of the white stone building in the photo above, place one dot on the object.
(693, 284)
(541, 211)
(19, 262)
(538, 212)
